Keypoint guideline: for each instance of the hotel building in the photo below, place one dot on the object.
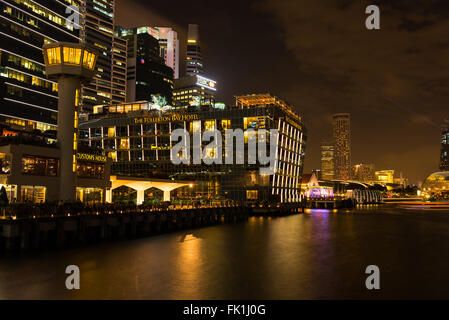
(342, 146)
(136, 137)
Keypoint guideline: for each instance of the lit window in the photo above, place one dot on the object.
(88, 60)
(72, 55)
(54, 55)
(252, 194)
(226, 124)
(209, 125)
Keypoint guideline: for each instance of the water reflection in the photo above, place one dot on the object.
(320, 254)
(188, 262)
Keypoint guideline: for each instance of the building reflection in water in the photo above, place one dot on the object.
(189, 263)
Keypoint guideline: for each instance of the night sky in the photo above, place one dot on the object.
(319, 57)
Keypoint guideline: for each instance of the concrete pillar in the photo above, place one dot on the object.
(140, 197)
(67, 87)
(166, 195)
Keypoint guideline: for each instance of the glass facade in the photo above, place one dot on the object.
(139, 144)
(437, 184)
(40, 166)
(109, 83)
(29, 100)
(148, 77)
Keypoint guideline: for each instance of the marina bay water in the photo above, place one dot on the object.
(320, 254)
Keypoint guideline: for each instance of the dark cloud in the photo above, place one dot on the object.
(392, 81)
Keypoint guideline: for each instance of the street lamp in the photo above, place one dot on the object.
(71, 65)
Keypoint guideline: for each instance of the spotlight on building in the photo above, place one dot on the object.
(71, 65)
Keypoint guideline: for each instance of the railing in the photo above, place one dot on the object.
(54, 210)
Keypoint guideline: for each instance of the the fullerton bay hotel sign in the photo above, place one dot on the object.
(170, 118)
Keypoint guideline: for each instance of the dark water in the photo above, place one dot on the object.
(318, 255)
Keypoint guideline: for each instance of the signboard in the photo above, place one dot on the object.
(91, 157)
(171, 118)
(207, 83)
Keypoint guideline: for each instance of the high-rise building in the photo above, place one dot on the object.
(385, 176)
(364, 172)
(444, 159)
(169, 45)
(148, 77)
(195, 91)
(327, 161)
(342, 146)
(137, 137)
(109, 83)
(28, 100)
(194, 63)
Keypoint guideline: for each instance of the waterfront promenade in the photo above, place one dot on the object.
(46, 226)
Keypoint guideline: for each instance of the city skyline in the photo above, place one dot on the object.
(251, 150)
(387, 107)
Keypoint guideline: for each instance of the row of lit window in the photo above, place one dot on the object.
(25, 63)
(71, 56)
(19, 15)
(184, 92)
(40, 10)
(35, 81)
(29, 124)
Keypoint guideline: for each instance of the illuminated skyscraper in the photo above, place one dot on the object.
(148, 75)
(109, 83)
(327, 161)
(342, 146)
(28, 99)
(169, 45)
(444, 160)
(194, 63)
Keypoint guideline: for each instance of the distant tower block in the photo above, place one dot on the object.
(70, 64)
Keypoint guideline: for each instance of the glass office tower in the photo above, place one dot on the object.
(28, 100)
(342, 146)
(109, 84)
(148, 75)
(194, 60)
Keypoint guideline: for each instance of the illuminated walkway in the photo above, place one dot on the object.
(142, 184)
